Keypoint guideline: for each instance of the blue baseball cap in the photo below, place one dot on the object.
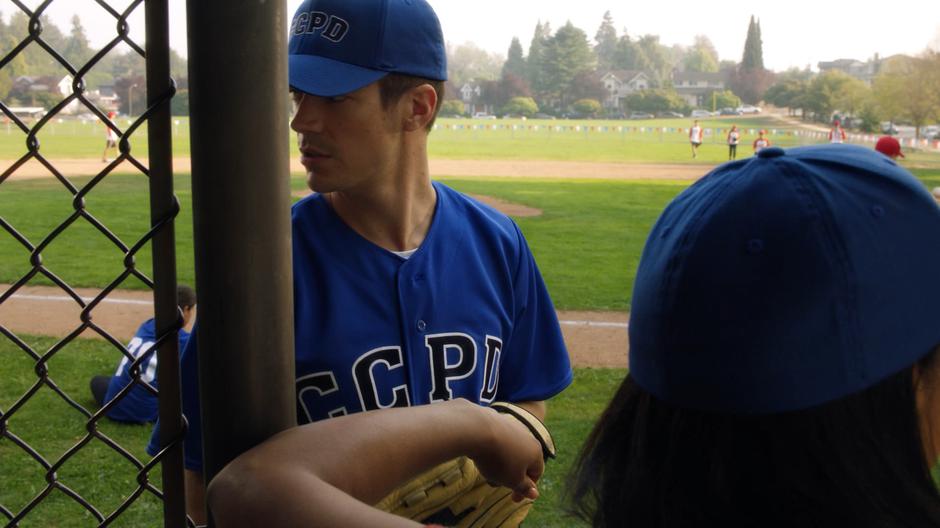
(339, 46)
(787, 281)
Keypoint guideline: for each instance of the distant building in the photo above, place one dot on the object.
(471, 95)
(105, 97)
(697, 87)
(621, 83)
(864, 71)
(25, 87)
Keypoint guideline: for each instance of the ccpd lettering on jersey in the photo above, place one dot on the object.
(452, 357)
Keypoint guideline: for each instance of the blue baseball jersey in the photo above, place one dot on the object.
(138, 405)
(466, 316)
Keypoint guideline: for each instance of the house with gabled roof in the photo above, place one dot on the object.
(621, 83)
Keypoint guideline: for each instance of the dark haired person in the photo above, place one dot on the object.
(783, 354)
(140, 405)
(784, 373)
(406, 292)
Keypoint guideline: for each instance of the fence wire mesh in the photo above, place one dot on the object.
(51, 464)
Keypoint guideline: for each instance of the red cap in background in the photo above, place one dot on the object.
(889, 146)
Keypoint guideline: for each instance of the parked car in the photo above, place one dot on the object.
(730, 112)
(483, 115)
(641, 115)
(669, 114)
(701, 113)
(541, 115)
(888, 128)
(930, 131)
(749, 109)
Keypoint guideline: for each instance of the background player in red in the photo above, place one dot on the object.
(111, 139)
(761, 142)
(837, 133)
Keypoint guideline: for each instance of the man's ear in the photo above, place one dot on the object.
(421, 102)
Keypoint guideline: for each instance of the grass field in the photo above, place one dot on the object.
(603, 223)
(104, 478)
(649, 141)
(598, 221)
(587, 244)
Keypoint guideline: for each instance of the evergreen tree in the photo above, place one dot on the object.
(607, 42)
(76, 49)
(515, 62)
(537, 60)
(753, 58)
(569, 54)
(627, 56)
(751, 80)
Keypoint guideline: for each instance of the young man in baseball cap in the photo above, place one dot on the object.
(406, 292)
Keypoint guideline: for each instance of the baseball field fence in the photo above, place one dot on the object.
(160, 239)
(241, 216)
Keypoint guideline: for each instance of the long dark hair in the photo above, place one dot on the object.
(858, 461)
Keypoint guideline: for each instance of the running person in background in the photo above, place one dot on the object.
(111, 139)
(761, 142)
(139, 405)
(695, 137)
(734, 137)
(406, 292)
(837, 133)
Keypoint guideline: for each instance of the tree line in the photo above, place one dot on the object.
(563, 68)
(122, 69)
(905, 90)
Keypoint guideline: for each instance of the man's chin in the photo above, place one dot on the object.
(315, 183)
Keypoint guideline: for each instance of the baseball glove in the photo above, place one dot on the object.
(456, 494)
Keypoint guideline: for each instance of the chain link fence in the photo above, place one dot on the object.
(44, 377)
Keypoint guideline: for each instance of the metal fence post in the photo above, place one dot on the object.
(163, 209)
(241, 202)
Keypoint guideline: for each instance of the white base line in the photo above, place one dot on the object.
(61, 298)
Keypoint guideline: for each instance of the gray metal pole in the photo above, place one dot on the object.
(241, 213)
(163, 210)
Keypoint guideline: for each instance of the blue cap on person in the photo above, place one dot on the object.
(787, 281)
(339, 46)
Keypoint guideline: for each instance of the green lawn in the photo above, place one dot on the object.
(52, 427)
(82, 255)
(651, 141)
(104, 478)
(600, 223)
(587, 242)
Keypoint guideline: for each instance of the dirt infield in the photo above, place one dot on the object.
(439, 167)
(594, 339)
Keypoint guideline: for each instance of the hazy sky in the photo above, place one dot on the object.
(795, 33)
